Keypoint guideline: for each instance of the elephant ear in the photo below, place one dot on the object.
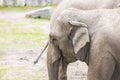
(80, 36)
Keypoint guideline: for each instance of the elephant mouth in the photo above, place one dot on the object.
(65, 47)
(67, 50)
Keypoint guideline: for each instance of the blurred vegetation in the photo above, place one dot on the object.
(18, 9)
(23, 9)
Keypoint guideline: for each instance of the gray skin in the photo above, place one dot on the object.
(54, 59)
(92, 36)
(84, 5)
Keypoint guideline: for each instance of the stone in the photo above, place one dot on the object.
(20, 2)
(42, 2)
(40, 13)
(53, 1)
(1, 2)
(7, 2)
(28, 2)
(31, 3)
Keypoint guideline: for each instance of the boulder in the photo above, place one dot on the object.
(40, 13)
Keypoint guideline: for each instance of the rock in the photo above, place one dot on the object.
(28, 2)
(40, 13)
(1, 2)
(53, 1)
(31, 2)
(20, 2)
(7, 2)
(42, 2)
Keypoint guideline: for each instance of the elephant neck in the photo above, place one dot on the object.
(89, 17)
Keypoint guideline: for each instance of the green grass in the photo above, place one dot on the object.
(18, 9)
(23, 32)
(23, 35)
(22, 9)
(21, 73)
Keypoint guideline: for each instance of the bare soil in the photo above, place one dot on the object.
(18, 63)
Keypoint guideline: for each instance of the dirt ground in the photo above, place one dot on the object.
(17, 64)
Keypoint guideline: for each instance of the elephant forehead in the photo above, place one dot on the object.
(59, 30)
(57, 34)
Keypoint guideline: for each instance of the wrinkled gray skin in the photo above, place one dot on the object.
(64, 49)
(84, 5)
(92, 36)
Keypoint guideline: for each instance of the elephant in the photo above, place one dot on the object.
(91, 36)
(84, 5)
(55, 61)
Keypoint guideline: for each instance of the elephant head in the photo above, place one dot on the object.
(70, 36)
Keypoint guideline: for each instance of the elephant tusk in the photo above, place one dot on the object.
(36, 61)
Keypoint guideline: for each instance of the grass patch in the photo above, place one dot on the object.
(21, 73)
(18, 9)
(21, 33)
(27, 34)
(22, 9)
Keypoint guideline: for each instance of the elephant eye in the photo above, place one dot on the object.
(52, 39)
(50, 36)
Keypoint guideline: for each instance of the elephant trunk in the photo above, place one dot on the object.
(36, 61)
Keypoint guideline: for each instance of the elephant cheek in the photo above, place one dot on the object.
(67, 50)
(53, 53)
